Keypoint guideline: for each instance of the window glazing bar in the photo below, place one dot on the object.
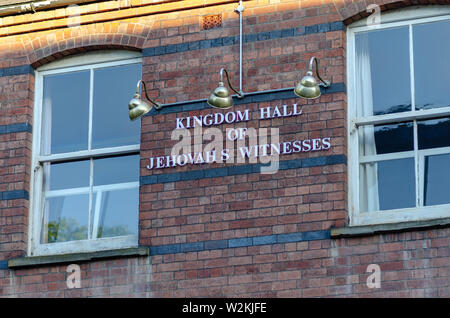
(86, 154)
(403, 117)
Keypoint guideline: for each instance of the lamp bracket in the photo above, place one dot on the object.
(323, 83)
(240, 8)
(157, 105)
(240, 94)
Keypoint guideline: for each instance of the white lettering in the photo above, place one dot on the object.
(326, 143)
(180, 123)
(242, 117)
(265, 113)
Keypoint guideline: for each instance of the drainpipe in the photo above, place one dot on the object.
(33, 6)
(239, 10)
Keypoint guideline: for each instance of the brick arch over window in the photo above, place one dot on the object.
(77, 50)
(354, 10)
(51, 46)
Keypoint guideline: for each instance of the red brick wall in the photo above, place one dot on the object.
(413, 263)
(16, 112)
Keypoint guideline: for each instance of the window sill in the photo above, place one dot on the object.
(23, 262)
(366, 230)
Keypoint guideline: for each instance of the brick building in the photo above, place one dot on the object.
(361, 178)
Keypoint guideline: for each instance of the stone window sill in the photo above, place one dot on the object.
(366, 230)
(30, 261)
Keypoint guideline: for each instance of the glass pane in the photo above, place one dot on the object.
(66, 218)
(116, 170)
(437, 179)
(394, 138)
(387, 185)
(117, 196)
(432, 64)
(434, 133)
(67, 175)
(382, 72)
(118, 212)
(66, 210)
(65, 122)
(383, 139)
(113, 89)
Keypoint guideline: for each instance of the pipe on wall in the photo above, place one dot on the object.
(33, 6)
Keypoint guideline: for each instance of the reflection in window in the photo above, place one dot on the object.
(432, 64)
(65, 113)
(89, 195)
(67, 202)
(112, 87)
(66, 218)
(403, 162)
(116, 195)
(437, 179)
(381, 57)
(387, 185)
(434, 133)
(394, 138)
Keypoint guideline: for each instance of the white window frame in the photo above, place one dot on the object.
(88, 61)
(402, 17)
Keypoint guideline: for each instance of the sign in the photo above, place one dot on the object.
(214, 152)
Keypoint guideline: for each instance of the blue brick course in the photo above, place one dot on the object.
(263, 240)
(257, 97)
(15, 128)
(215, 245)
(168, 177)
(165, 249)
(13, 195)
(16, 70)
(243, 169)
(192, 247)
(240, 242)
(289, 238)
(232, 40)
(3, 264)
(315, 235)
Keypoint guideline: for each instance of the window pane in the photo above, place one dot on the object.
(383, 139)
(67, 175)
(387, 185)
(113, 89)
(116, 170)
(432, 64)
(118, 212)
(65, 119)
(434, 133)
(117, 196)
(66, 218)
(437, 179)
(382, 72)
(394, 138)
(66, 208)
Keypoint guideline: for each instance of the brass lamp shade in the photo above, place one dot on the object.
(308, 87)
(138, 107)
(220, 98)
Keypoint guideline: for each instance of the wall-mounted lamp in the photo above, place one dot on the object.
(139, 107)
(220, 97)
(308, 87)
